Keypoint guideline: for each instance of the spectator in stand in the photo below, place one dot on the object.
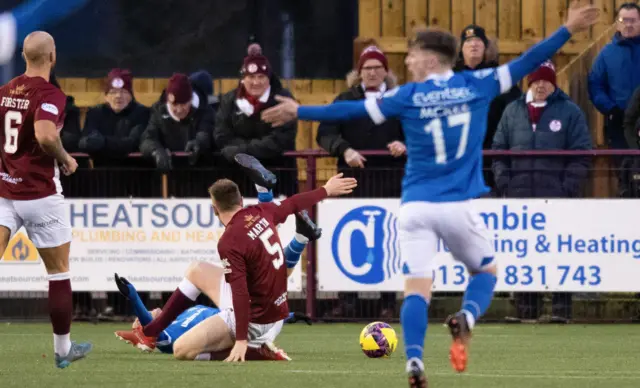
(112, 130)
(616, 74)
(239, 128)
(180, 122)
(378, 176)
(631, 122)
(476, 53)
(544, 119)
(70, 134)
(202, 84)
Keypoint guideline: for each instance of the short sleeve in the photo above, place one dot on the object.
(51, 107)
(392, 104)
(491, 82)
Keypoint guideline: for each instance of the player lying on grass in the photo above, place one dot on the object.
(444, 117)
(252, 296)
(185, 321)
(207, 276)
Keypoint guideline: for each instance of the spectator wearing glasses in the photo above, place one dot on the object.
(112, 130)
(616, 74)
(378, 176)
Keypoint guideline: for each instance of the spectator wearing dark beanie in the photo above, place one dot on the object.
(112, 130)
(239, 128)
(180, 122)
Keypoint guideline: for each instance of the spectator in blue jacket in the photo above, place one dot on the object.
(544, 119)
(616, 74)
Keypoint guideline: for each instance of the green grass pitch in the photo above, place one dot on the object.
(328, 355)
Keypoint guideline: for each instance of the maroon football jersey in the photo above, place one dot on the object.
(253, 259)
(251, 250)
(26, 171)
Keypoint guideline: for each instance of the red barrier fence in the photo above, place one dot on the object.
(191, 182)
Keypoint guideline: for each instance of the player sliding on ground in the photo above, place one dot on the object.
(252, 296)
(191, 317)
(208, 278)
(444, 118)
(32, 112)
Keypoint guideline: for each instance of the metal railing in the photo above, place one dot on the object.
(145, 182)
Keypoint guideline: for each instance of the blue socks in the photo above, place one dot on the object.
(293, 251)
(264, 195)
(139, 309)
(478, 296)
(413, 317)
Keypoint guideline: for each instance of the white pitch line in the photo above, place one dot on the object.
(482, 375)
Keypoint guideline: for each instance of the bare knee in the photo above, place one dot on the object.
(418, 286)
(182, 352)
(56, 260)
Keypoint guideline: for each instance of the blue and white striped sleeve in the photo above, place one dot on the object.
(390, 105)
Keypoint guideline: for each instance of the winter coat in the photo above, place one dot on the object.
(70, 134)
(632, 121)
(235, 132)
(498, 105)
(615, 74)
(361, 134)
(163, 132)
(562, 126)
(108, 134)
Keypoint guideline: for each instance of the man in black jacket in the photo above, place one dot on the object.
(239, 128)
(378, 176)
(476, 53)
(112, 130)
(179, 122)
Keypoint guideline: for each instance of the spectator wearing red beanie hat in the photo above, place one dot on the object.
(239, 128)
(179, 95)
(542, 83)
(179, 122)
(112, 130)
(369, 79)
(545, 119)
(119, 89)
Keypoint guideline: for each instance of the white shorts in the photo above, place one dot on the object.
(259, 334)
(459, 226)
(46, 219)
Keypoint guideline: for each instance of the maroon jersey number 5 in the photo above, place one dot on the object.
(274, 249)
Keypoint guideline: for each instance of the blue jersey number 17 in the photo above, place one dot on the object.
(435, 129)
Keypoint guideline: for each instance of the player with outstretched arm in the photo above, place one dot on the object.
(253, 294)
(444, 117)
(31, 157)
(209, 279)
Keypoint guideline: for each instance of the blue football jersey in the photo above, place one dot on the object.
(444, 120)
(185, 322)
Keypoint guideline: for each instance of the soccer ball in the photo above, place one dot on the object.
(378, 339)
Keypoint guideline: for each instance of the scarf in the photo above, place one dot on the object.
(374, 92)
(250, 105)
(535, 110)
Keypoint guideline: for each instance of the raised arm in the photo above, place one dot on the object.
(578, 19)
(334, 187)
